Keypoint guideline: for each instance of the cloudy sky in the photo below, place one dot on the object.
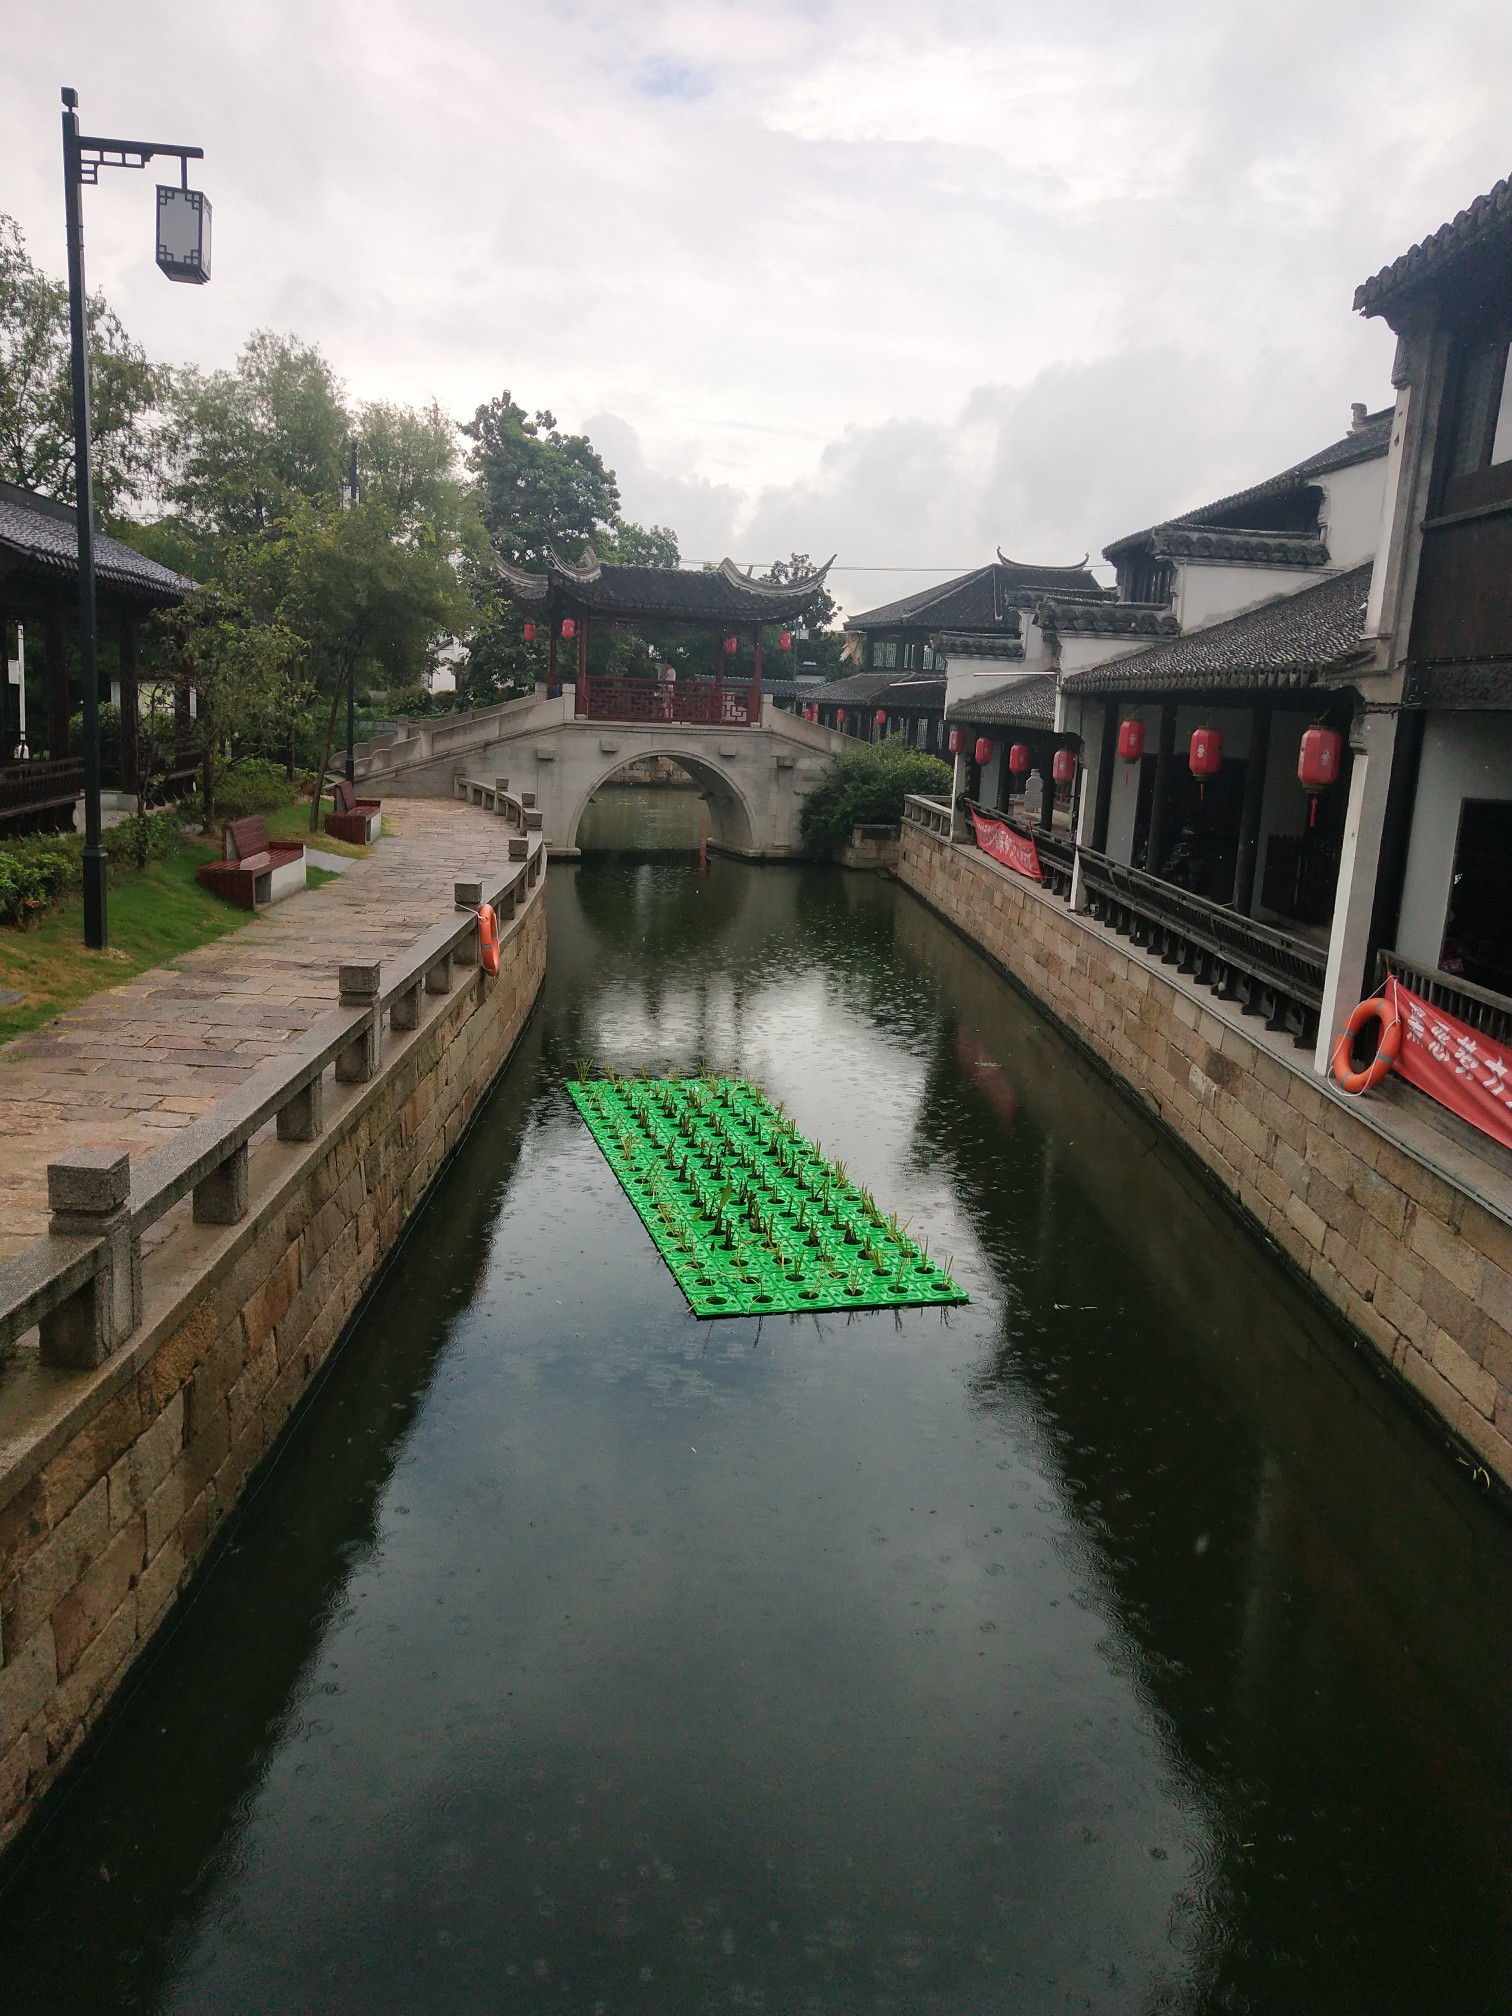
(902, 281)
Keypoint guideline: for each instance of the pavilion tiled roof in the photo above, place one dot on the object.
(895, 691)
(972, 644)
(1107, 619)
(1171, 537)
(1018, 703)
(988, 598)
(1289, 641)
(1489, 217)
(719, 594)
(44, 534)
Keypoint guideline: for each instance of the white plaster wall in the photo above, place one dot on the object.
(1077, 652)
(969, 677)
(1351, 512)
(1464, 756)
(1206, 593)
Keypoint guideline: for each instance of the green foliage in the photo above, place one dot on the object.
(406, 701)
(34, 875)
(866, 787)
(630, 545)
(537, 485)
(36, 388)
(253, 785)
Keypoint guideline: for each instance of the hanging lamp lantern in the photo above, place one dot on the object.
(957, 741)
(1018, 759)
(881, 717)
(1318, 762)
(1131, 740)
(729, 647)
(785, 641)
(530, 633)
(1063, 768)
(569, 628)
(839, 717)
(1205, 757)
(983, 751)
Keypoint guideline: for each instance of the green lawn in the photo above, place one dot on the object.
(154, 914)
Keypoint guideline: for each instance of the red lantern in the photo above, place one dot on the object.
(1063, 769)
(983, 750)
(1018, 759)
(839, 717)
(1318, 762)
(957, 741)
(1131, 740)
(1205, 757)
(530, 633)
(569, 628)
(729, 647)
(785, 641)
(881, 717)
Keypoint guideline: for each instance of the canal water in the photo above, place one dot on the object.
(1116, 1642)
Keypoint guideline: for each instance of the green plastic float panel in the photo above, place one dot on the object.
(749, 1216)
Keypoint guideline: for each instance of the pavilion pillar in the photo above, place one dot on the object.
(552, 681)
(753, 705)
(1047, 785)
(56, 645)
(1102, 792)
(9, 733)
(719, 658)
(582, 665)
(1165, 762)
(130, 714)
(1249, 815)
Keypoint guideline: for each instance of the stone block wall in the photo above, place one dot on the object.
(1415, 1264)
(116, 1481)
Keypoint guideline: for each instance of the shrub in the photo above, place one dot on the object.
(144, 837)
(866, 787)
(407, 701)
(252, 785)
(33, 875)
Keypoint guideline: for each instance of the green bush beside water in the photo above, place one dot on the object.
(866, 787)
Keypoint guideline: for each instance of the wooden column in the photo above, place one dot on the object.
(552, 681)
(57, 681)
(1165, 757)
(9, 715)
(753, 704)
(1249, 814)
(719, 658)
(582, 665)
(1107, 760)
(130, 715)
(1047, 784)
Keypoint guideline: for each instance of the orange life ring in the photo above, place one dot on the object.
(1388, 1043)
(488, 939)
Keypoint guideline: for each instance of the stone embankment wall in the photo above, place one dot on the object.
(1416, 1265)
(115, 1481)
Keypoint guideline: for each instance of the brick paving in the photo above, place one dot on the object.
(133, 1062)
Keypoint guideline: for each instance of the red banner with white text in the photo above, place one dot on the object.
(1004, 845)
(1454, 1064)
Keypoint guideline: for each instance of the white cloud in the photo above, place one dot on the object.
(847, 273)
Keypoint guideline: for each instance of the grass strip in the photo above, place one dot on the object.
(748, 1214)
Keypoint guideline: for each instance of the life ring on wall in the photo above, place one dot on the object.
(1388, 1043)
(488, 939)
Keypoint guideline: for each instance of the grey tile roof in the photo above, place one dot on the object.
(1487, 218)
(719, 594)
(987, 598)
(45, 535)
(896, 692)
(1021, 703)
(1108, 619)
(1285, 642)
(1363, 444)
(972, 644)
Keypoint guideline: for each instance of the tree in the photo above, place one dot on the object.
(244, 673)
(245, 444)
(537, 486)
(866, 786)
(632, 545)
(36, 388)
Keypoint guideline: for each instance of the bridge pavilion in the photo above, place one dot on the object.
(722, 602)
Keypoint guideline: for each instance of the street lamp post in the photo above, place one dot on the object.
(183, 253)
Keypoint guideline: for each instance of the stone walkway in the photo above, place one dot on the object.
(131, 1063)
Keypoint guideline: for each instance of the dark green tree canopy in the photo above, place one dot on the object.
(36, 388)
(537, 485)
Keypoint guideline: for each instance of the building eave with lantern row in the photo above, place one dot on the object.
(569, 602)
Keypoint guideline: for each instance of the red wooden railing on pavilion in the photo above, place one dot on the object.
(697, 702)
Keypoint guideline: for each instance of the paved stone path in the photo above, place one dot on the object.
(135, 1061)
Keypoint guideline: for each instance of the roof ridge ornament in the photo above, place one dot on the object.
(1047, 566)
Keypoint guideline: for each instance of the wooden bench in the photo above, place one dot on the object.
(254, 870)
(352, 818)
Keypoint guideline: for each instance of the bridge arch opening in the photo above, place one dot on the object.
(624, 810)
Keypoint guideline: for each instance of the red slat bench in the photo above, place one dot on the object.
(352, 818)
(253, 870)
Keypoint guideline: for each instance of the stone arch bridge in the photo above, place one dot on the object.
(755, 778)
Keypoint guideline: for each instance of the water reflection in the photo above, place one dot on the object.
(1116, 1642)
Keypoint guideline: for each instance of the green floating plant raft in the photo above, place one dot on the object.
(750, 1217)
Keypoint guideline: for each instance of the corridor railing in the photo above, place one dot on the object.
(691, 702)
(1264, 970)
(1479, 1007)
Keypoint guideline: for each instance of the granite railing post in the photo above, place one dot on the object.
(404, 1010)
(468, 896)
(359, 983)
(89, 1195)
(303, 1118)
